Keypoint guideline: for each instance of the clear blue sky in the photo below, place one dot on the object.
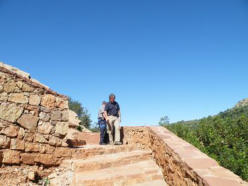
(184, 59)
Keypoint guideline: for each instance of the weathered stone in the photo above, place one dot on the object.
(75, 138)
(44, 116)
(3, 96)
(47, 159)
(11, 131)
(29, 136)
(17, 144)
(31, 147)
(44, 127)
(61, 128)
(32, 175)
(48, 101)
(62, 103)
(62, 152)
(65, 115)
(40, 138)
(11, 157)
(45, 148)
(21, 133)
(56, 115)
(73, 119)
(27, 88)
(4, 142)
(28, 121)
(33, 110)
(28, 158)
(11, 86)
(34, 100)
(10, 112)
(55, 141)
(18, 98)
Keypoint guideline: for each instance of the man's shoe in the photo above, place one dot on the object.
(103, 144)
(117, 143)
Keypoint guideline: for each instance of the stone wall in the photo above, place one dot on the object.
(34, 120)
(181, 163)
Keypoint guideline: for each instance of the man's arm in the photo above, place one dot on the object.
(119, 113)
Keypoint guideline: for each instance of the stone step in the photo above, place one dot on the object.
(131, 174)
(151, 183)
(110, 160)
(93, 150)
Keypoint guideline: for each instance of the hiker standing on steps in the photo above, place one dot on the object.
(102, 124)
(112, 115)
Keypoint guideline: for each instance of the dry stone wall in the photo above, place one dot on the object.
(182, 164)
(34, 120)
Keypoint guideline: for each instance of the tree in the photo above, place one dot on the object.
(164, 121)
(81, 111)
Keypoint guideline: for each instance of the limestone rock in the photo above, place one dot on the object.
(13, 69)
(17, 144)
(4, 141)
(62, 103)
(31, 147)
(47, 159)
(21, 133)
(56, 115)
(18, 98)
(44, 127)
(27, 88)
(55, 141)
(45, 148)
(11, 131)
(73, 119)
(65, 115)
(61, 128)
(32, 175)
(11, 157)
(3, 96)
(48, 101)
(44, 116)
(40, 138)
(28, 121)
(34, 100)
(75, 138)
(11, 86)
(28, 158)
(10, 112)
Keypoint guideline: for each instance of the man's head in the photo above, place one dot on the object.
(112, 98)
(104, 103)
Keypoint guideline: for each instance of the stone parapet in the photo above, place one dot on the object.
(181, 163)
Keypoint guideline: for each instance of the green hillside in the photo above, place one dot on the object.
(224, 137)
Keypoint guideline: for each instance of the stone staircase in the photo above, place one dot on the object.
(110, 166)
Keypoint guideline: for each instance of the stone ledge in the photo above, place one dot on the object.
(181, 163)
(27, 79)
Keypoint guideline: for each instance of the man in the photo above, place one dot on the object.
(102, 123)
(112, 115)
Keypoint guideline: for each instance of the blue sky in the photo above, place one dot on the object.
(184, 59)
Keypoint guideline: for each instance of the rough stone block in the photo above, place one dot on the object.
(28, 158)
(10, 112)
(32, 147)
(34, 100)
(48, 101)
(47, 159)
(18, 98)
(44, 127)
(11, 157)
(28, 121)
(4, 142)
(61, 128)
(11, 131)
(17, 144)
(44, 116)
(56, 115)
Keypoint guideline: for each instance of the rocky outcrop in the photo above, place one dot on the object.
(242, 103)
(35, 122)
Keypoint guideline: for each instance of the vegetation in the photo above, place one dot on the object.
(82, 113)
(164, 121)
(223, 137)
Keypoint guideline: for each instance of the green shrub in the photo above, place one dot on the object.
(223, 137)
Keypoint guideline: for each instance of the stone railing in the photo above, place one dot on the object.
(181, 163)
